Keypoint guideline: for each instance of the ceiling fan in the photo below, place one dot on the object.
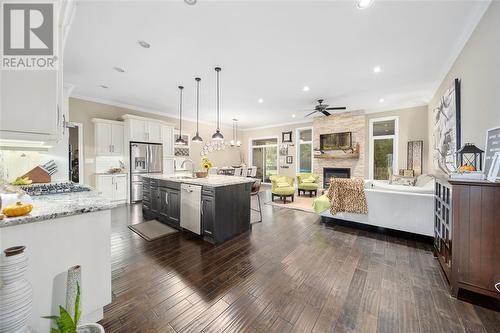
(323, 108)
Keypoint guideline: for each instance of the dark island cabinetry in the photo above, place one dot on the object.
(224, 210)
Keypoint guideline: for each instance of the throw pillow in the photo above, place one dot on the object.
(282, 184)
(400, 180)
(308, 180)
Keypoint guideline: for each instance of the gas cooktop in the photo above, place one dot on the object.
(56, 188)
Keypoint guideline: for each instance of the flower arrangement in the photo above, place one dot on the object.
(206, 164)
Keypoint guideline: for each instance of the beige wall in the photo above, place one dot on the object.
(412, 126)
(274, 132)
(478, 68)
(82, 111)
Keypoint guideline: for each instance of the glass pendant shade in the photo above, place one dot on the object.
(197, 138)
(218, 135)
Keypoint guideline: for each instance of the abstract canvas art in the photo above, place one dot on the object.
(414, 158)
(446, 127)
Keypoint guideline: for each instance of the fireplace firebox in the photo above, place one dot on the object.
(335, 173)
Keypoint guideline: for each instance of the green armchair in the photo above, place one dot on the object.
(282, 187)
(308, 182)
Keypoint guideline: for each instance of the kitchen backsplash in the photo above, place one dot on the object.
(104, 163)
(15, 163)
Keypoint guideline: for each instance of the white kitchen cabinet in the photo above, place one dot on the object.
(108, 137)
(168, 166)
(31, 103)
(154, 131)
(112, 187)
(167, 134)
(138, 130)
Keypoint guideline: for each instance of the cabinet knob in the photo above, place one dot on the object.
(497, 286)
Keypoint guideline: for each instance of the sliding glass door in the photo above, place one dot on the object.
(265, 157)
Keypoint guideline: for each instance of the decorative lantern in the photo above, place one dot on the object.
(470, 156)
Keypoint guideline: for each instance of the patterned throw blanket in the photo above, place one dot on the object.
(347, 195)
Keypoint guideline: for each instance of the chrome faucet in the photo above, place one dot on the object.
(192, 166)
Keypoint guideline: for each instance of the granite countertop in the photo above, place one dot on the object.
(210, 181)
(51, 206)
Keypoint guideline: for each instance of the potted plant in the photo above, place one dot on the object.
(64, 323)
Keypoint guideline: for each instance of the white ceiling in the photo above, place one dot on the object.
(268, 50)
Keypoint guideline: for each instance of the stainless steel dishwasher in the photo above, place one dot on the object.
(191, 208)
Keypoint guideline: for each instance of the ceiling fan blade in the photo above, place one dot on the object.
(337, 108)
(307, 115)
(326, 113)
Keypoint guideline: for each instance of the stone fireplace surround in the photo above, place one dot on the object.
(354, 122)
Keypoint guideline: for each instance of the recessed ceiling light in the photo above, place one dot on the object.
(293, 115)
(144, 44)
(306, 88)
(381, 100)
(119, 70)
(260, 100)
(103, 86)
(362, 4)
(377, 69)
(190, 2)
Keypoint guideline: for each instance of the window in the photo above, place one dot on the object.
(264, 155)
(383, 148)
(304, 149)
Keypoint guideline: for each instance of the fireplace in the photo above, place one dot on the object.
(336, 173)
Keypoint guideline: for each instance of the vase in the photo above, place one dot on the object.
(74, 278)
(16, 296)
(90, 328)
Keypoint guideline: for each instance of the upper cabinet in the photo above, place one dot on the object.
(140, 129)
(108, 137)
(31, 103)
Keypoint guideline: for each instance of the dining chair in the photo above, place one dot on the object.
(237, 172)
(252, 171)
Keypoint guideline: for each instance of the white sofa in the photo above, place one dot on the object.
(398, 207)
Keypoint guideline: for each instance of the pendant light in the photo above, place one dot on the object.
(179, 140)
(235, 141)
(197, 137)
(218, 135)
(232, 142)
(238, 142)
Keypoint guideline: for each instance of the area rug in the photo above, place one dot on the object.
(151, 230)
(299, 203)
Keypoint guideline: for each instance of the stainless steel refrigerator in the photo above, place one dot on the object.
(145, 158)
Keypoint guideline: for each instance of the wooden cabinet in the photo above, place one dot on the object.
(170, 205)
(475, 236)
(207, 216)
(225, 210)
(112, 187)
(108, 137)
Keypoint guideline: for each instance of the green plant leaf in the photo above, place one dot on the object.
(54, 330)
(77, 305)
(66, 324)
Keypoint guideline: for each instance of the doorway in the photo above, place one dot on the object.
(75, 153)
(264, 155)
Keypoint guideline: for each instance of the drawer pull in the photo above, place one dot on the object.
(497, 286)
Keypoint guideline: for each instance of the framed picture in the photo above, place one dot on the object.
(286, 136)
(446, 129)
(283, 149)
(289, 159)
(494, 173)
(492, 146)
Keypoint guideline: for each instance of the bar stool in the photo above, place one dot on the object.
(255, 192)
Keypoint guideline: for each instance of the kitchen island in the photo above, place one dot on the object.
(219, 213)
(64, 230)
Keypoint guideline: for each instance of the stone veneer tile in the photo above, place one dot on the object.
(347, 122)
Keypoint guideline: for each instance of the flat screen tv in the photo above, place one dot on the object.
(335, 141)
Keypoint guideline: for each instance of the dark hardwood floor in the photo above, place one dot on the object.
(289, 274)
